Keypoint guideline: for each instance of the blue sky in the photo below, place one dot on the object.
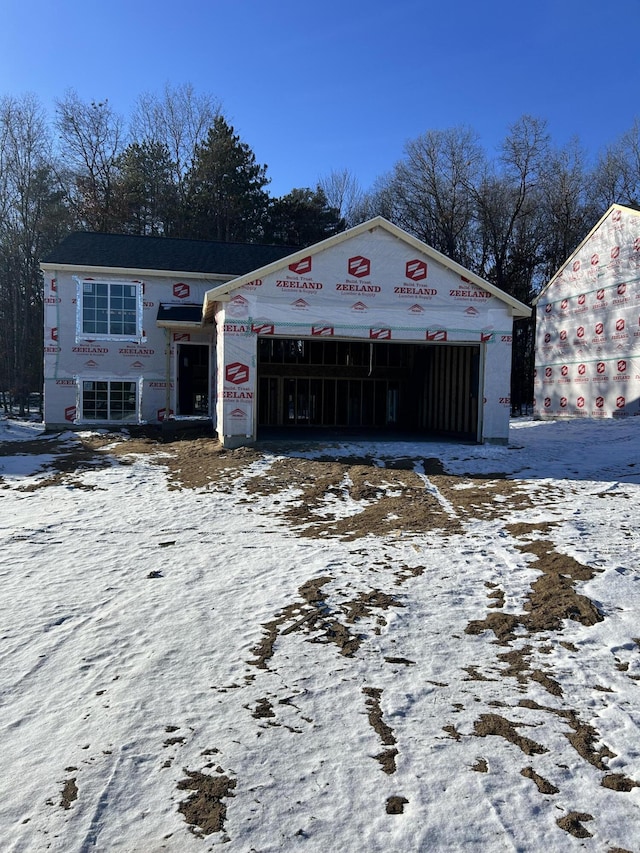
(313, 87)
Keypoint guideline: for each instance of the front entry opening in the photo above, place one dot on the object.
(193, 379)
(368, 385)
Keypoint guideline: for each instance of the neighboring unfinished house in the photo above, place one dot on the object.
(588, 326)
(368, 330)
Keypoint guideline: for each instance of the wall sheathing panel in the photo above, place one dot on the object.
(588, 327)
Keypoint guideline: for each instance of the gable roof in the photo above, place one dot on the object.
(622, 207)
(220, 292)
(126, 252)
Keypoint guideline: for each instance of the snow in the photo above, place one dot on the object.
(130, 614)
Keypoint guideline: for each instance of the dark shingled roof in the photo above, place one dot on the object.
(84, 249)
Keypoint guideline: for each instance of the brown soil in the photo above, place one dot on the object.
(543, 786)
(494, 724)
(571, 823)
(204, 810)
(69, 793)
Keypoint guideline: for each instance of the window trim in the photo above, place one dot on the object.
(136, 418)
(81, 335)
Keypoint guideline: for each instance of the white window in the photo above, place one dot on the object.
(108, 400)
(109, 309)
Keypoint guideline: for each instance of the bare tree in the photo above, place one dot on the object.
(178, 120)
(91, 139)
(343, 192)
(433, 189)
(33, 219)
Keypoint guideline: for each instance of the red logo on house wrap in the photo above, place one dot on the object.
(582, 299)
(564, 370)
(437, 335)
(622, 289)
(548, 371)
(622, 366)
(600, 294)
(601, 367)
(620, 325)
(237, 414)
(485, 337)
(548, 308)
(70, 413)
(620, 402)
(380, 334)
(599, 328)
(576, 266)
(358, 306)
(181, 336)
(580, 332)
(263, 328)
(564, 304)
(322, 331)
(237, 373)
(615, 252)
(181, 291)
(471, 311)
(563, 334)
(300, 303)
(595, 259)
(547, 402)
(54, 333)
(563, 402)
(599, 402)
(359, 266)
(616, 215)
(547, 338)
(301, 267)
(416, 270)
(582, 369)
(636, 244)
(580, 402)
(161, 414)
(416, 309)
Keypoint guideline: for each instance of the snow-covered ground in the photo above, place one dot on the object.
(181, 668)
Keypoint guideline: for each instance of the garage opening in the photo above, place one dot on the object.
(379, 385)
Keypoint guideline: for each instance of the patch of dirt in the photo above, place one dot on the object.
(571, 823)
(387, 758)
(583, 736)
(480, 766)
(391, 500)
(543, 786)
(494, 724)
(204, 810)
(263, 709)
(619, 782)
(316, 617)
(69, 793)
(395, 805)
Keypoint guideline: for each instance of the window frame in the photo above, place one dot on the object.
(135, 416)
(83, 335)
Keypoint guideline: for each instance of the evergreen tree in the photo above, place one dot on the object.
(226, 199)
(301, 218)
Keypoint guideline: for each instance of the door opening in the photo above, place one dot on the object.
(193, 380)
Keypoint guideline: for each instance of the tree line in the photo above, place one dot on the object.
(178, 168)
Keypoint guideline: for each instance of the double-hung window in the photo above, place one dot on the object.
(108, 309)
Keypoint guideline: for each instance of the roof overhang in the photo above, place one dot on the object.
(221, 292)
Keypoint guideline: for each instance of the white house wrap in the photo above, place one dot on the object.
(588, 326)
